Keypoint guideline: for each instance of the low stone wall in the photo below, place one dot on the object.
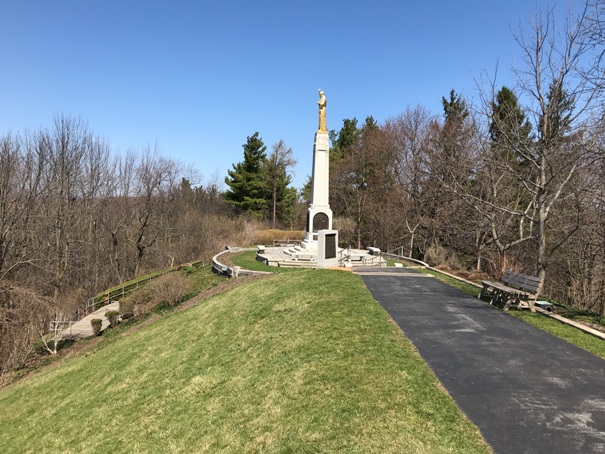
(233, 271)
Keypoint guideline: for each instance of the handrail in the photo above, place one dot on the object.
(104, 298)
(342, 259)
(402, 257)
(371, 260)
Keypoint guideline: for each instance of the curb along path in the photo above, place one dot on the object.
(526, 390)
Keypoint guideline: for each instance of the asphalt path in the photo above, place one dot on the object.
(526, 390)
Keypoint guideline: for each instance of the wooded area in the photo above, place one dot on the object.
(77, 218)
(513, 179)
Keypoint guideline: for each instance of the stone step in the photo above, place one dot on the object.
(83, 328)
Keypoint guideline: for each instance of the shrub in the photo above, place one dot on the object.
(113, 317)
(171, 287)
(267, 236)
(437, 255)
(126, 307)
(97, 325)
(131, 303)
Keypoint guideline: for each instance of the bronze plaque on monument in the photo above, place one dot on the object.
(331, 246)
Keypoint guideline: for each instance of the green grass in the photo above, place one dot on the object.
(300, 362)
(578, 314)
(247, 260)
(202, 278)
(572, 335)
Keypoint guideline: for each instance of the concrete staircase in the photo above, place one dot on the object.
(83, 328)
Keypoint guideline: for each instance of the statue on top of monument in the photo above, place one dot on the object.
(322, 112)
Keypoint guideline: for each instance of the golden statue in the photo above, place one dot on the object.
(322, 112)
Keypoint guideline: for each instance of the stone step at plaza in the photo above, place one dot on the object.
(298, 257)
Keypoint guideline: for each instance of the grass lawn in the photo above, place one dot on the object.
(247, 260)
(299, 362)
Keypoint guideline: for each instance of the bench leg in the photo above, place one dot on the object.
(506, 307)
(495, 296)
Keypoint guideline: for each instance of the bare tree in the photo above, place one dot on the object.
(278, 170)
(562, 82)
(156, 177)
(411, 131)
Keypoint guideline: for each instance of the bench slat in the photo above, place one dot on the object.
(515, 288)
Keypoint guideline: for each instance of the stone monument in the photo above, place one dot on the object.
(319, 214)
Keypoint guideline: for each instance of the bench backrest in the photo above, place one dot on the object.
(521, 281)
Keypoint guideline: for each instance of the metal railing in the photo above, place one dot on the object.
(400, 256)
(346, 256)
(104, 298)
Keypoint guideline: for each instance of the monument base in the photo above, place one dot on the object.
(318, 218)
(309, 245)
(327, 249)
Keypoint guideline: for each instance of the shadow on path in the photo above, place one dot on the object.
(526, 390)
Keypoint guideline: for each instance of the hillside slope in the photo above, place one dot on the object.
(300, 362)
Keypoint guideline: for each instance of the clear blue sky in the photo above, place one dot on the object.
(198, 77)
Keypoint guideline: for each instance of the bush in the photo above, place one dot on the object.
(267, 236)
(97, 325)
(171, 287)
(113, 317)
(437, 255)
(126, 308)
(131, 303)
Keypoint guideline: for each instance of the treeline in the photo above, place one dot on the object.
(76, 218)
(513, 179)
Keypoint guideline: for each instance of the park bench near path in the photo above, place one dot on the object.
(515, 289)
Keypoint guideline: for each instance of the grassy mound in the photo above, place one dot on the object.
(300, 362)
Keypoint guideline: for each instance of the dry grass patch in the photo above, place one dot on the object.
(267, 236)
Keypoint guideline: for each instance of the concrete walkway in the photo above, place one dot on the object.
(83, 328)
(527, 391)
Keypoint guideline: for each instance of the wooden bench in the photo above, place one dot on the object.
(515, 289)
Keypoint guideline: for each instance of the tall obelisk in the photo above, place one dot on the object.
(319, 214)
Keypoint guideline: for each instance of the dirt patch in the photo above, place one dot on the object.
(225, 259)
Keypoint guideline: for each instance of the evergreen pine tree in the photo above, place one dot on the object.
(510, 131)
(247, 183)
(344, 139)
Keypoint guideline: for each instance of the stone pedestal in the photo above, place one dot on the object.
(319, 214)
(327, 249)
